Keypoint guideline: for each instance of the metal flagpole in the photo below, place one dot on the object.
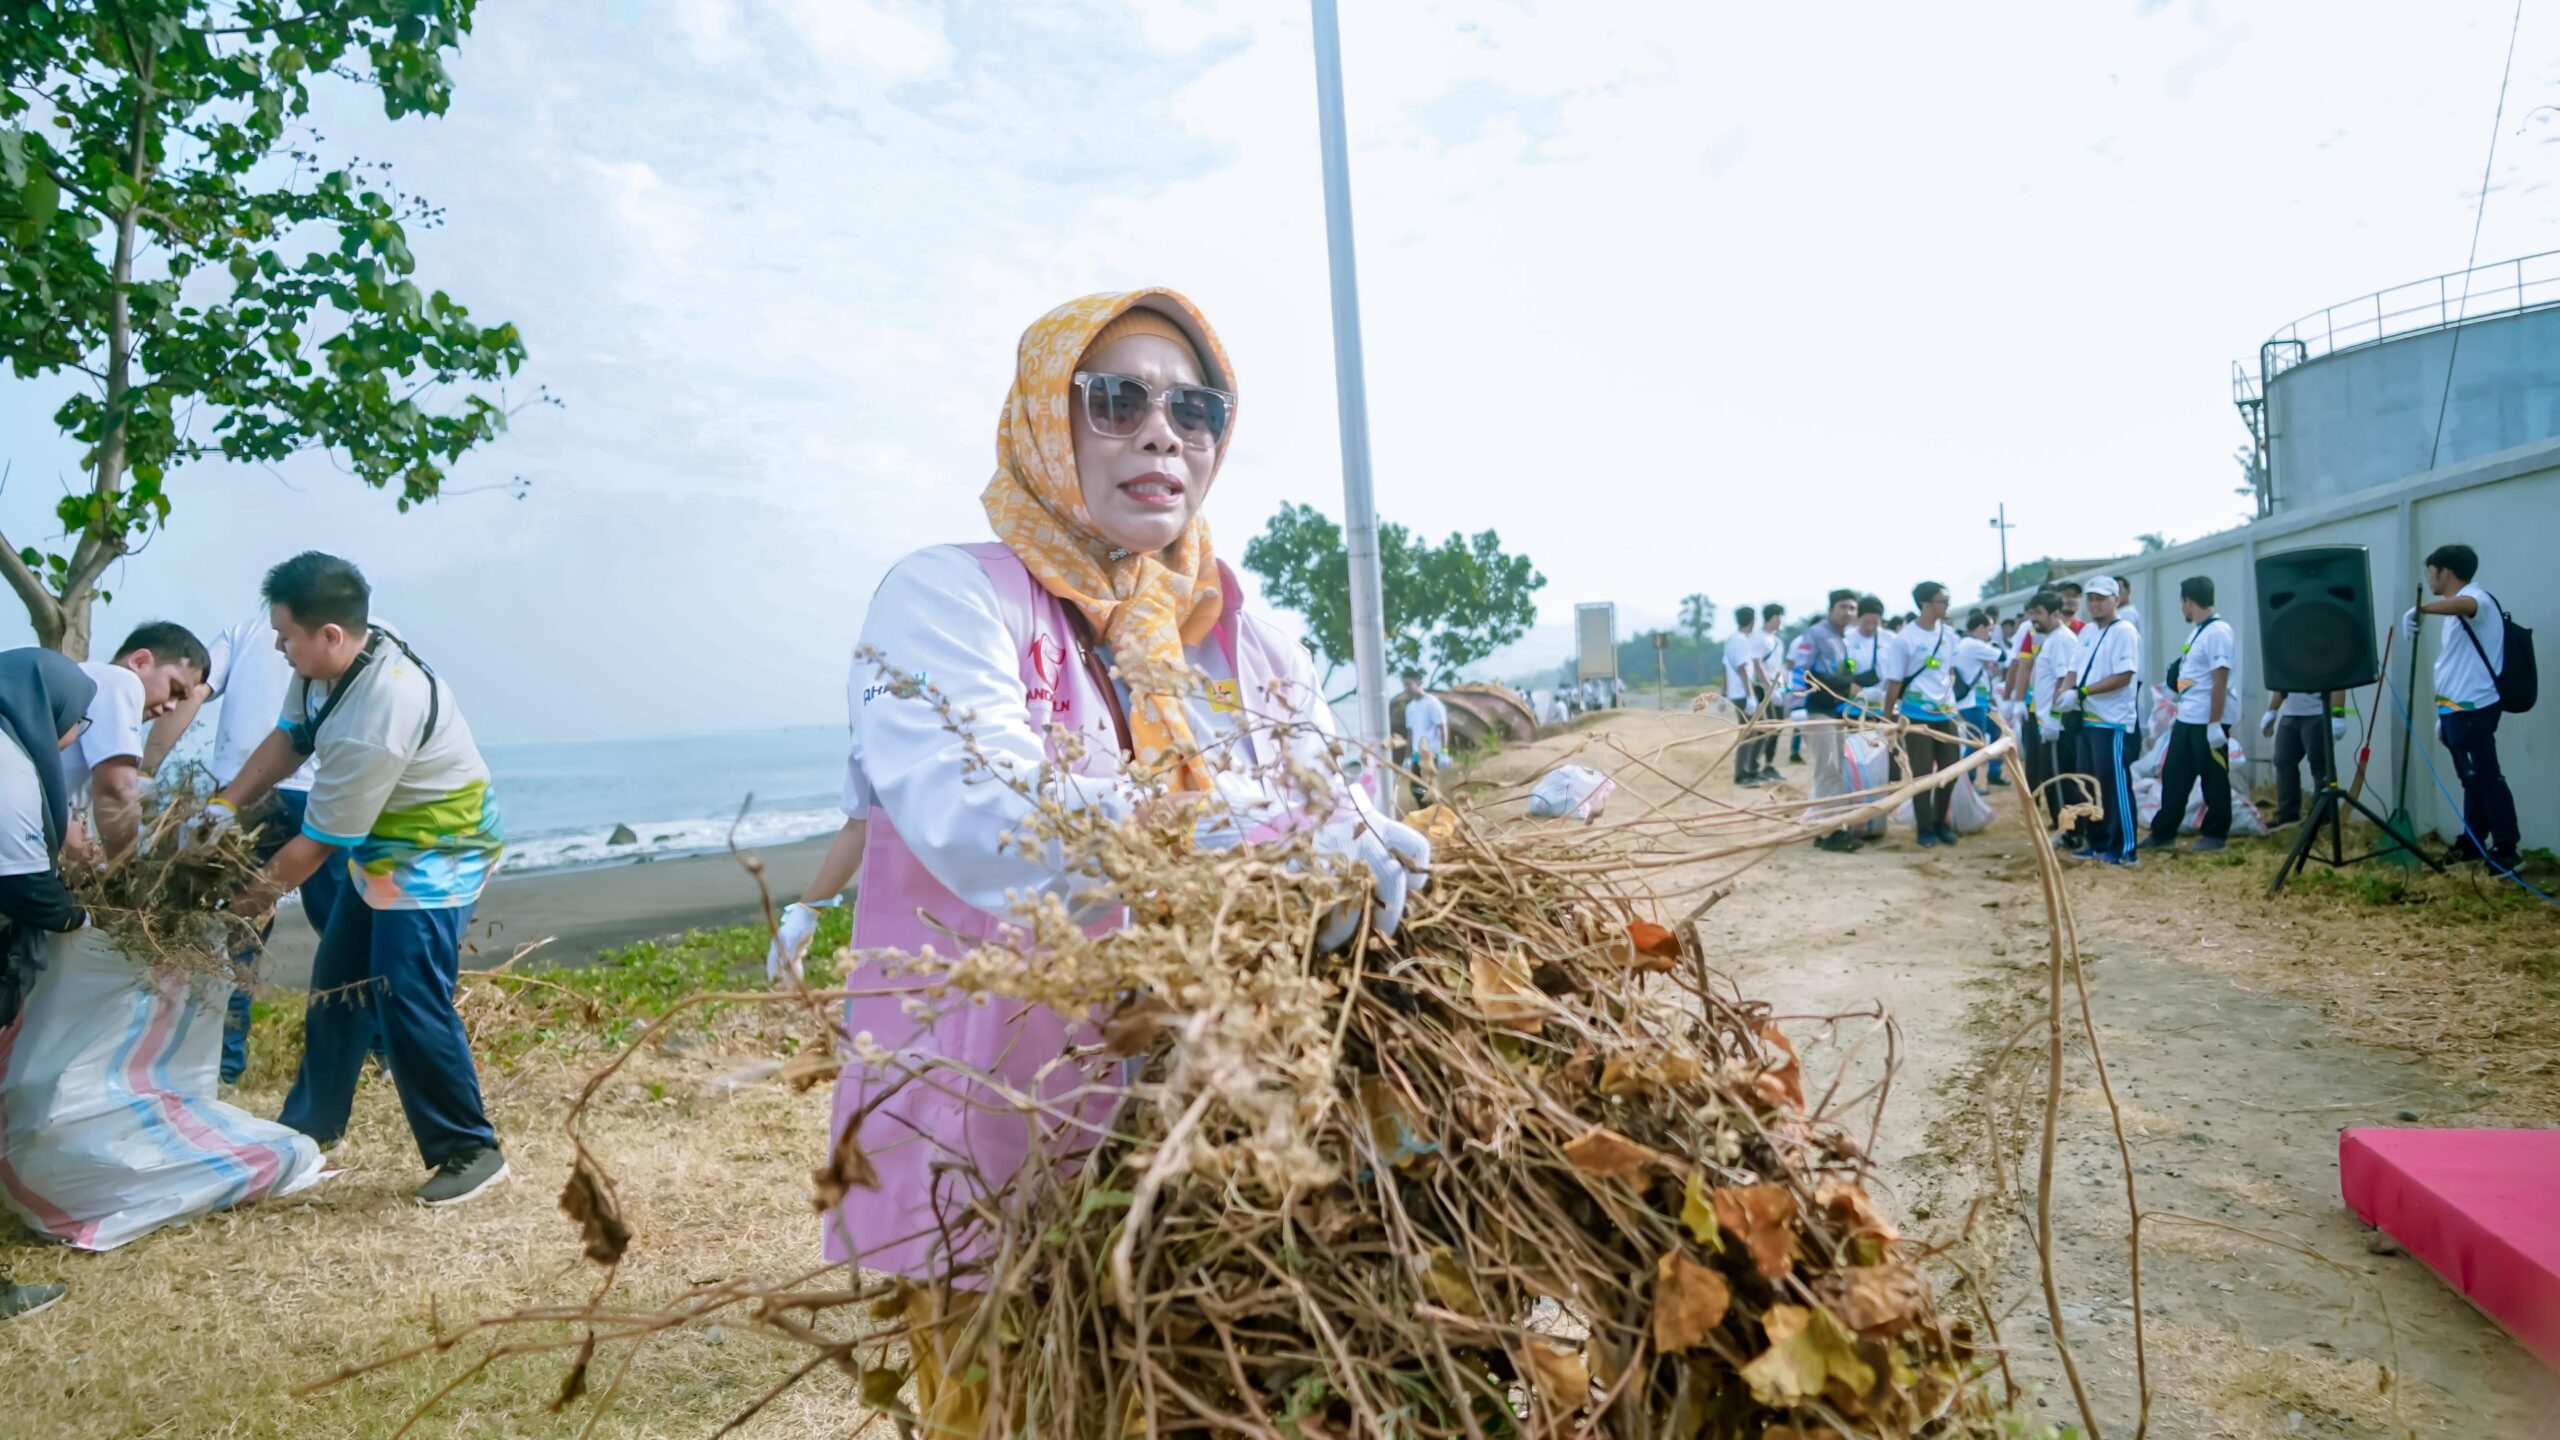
(1351, 392)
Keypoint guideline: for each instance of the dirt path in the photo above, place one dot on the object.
(2233, 1095)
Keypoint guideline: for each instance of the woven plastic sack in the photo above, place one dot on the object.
(109, 1125)
(1577, 791)
(1869, 769)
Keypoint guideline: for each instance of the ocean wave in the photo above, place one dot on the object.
(663, 840)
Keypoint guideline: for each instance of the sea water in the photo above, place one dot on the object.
(561, 799)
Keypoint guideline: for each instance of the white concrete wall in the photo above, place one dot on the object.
(2506, 506)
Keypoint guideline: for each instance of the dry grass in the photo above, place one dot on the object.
(203, 1332)
(2212, 1387)
(2454, 968)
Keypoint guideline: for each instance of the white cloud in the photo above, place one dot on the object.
(886, 37)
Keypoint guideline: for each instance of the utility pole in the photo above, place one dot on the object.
(1351, 394)
(2000, 522)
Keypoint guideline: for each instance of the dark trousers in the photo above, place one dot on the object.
(2299, 738)
(1755, 754)
(1932, 748)
(1979, 717)
(319, 894)
(2488, 806)
(2190, 761)
(2036, 753)
(400, 967)
(2107, 756)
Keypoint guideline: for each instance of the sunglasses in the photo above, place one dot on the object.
(1117, 405)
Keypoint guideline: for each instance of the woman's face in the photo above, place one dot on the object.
(1142, 489)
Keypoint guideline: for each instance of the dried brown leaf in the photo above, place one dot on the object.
(1449, 1283)
(1504, 997)
(1763, 1218)
(1689, 1301)
(573, 1385)
(847, 1169)
(1561, 1374)
(1877, 1297)
(1632, 1072)
(1651, 948)
(588, 1200)
(1132, 1028)
(1782, 1084)
(1850, 1211)
(1605, 1154)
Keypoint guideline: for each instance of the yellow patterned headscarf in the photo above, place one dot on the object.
(1145, 607)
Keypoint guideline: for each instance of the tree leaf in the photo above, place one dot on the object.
(1698, 1214)
(1782, 1084)
(1877, 1297)
(1448, 1283)
(847, 1169)
(1604, 1154)
(1652, 948)
(1808, 1351)
(1562, 1376)
(1763, 1218)
(1504, 997)
(1689, 1301)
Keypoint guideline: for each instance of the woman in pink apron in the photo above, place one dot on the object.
(1121, 411)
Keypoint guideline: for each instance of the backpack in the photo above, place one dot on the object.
(2520, 679)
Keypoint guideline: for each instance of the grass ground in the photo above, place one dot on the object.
(206, 1331)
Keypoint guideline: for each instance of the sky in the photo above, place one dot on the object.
(1753, 301)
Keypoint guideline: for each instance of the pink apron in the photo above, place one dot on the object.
(943, 1141)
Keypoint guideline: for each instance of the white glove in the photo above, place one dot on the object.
(218, 816)
(1399, 861)
(2267, 724)
(2050, 730)
(2409, 623)
(2337, 727)
(790, 942)
(2218, 737)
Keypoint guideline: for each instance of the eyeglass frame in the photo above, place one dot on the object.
(1156, 400)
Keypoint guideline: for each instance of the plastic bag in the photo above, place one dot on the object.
(1869, 769)
(1967, 810)
(109, 1128)
(1577, 791)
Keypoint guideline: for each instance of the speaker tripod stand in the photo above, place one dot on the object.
(2328, 814)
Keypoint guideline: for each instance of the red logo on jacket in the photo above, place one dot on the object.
(1048, 657)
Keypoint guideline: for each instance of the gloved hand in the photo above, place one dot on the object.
(218, 816)
(1399, 861)
(2050, 730)
(2218, 737)
(2337, 727)
(790, 942)
(2267, 724)
(2409, 623)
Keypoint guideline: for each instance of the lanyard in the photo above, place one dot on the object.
(2191, 640)
(306, 736)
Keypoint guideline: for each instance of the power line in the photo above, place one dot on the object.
(2478, 214)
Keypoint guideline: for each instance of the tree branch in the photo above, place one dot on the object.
(42, 609)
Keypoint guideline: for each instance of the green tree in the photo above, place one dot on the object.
(2151, 540)
(1697, 616)
(176, 251)
(1448, 605)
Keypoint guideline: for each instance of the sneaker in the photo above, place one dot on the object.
(2122, 862)
(2155, 842)
(2086, 853)
(1773, 775)
(1946, 835)
(1999, 782)
(462, 1177)
(17, 1302)
(1838, 842)
(1928, 839)
(2207, 845)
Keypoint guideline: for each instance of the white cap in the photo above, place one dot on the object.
(2103, 585)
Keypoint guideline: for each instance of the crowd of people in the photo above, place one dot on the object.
(352, 769)
(2064, 679)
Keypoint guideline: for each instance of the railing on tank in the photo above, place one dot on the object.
(2441, 302)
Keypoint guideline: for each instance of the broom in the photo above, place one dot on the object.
(2401, 823)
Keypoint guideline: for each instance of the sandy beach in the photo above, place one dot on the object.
(584, 911)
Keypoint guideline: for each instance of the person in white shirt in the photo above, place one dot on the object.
(2126, 611)
(1746, 684)
(399, 789)
(248, 673)
(2206, 677)
(2471, 656)
(2293, 722)
(1919, 688)
(2051, 710)
(1865, 664)
(1426, 726)
(1979, 665)
(156, 669)
(2104, 688)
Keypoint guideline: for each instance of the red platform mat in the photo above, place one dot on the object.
(2480, 1207)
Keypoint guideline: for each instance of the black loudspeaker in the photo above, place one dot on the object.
(2315, 619)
